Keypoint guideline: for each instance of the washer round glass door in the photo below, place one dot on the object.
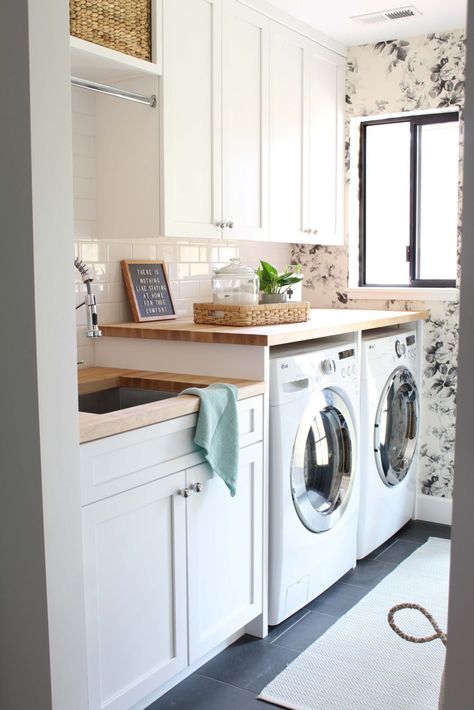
(323, 463)
(396, 427)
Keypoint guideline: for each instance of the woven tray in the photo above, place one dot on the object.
(123, 25)
(263, 314)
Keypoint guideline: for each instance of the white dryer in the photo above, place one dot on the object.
(314, 483)
(389, 435)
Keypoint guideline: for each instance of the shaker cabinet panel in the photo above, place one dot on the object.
(287, 121)
(325, 146)
(191, 116)
(135, 591)
(224, 552)
(245, 122)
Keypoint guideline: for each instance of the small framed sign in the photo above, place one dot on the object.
(148, 290)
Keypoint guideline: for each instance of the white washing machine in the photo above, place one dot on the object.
(314, 482)
(389, 435)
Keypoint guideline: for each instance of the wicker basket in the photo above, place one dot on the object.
(123, 25)
(241, 316)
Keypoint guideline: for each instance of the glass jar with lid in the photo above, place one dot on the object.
(235, 284)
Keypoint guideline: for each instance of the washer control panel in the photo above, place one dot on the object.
(339, 363)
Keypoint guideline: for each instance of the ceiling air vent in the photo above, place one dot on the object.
(397, 13)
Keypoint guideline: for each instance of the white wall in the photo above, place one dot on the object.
(459, 678)
(42, 648)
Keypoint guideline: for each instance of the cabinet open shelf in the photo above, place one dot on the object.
(96, 63)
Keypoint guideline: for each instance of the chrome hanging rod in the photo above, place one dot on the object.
(113, 91)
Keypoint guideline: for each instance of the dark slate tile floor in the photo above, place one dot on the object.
(234, 677)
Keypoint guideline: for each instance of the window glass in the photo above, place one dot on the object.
(437, 200)
(387, 215)
(409, 200)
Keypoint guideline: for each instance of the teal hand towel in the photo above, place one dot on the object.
(217, 430)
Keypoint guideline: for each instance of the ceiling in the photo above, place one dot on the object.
(332, 17)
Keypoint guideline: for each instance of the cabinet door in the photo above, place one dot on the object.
(287, 117)
(325, 135)
(245, 121)
(135, 591)
(224, 553)
(191, 118)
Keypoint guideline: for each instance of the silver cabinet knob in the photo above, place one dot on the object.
(230, 225)
(315, 231)
(185, 492)
(197, 487)
(221, 224)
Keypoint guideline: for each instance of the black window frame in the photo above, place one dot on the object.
(415, 121)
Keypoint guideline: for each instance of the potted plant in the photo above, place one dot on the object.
(274, 285)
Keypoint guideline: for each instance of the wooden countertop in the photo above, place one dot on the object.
(94, 379)
(323, 322)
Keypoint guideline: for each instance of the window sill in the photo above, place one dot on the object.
(375, 293)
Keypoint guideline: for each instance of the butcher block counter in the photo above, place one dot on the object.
(96, 379)
(322, 323)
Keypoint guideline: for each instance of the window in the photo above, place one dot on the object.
(409, 201)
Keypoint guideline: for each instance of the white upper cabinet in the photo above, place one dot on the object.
(215, 119)
(325, 146)
(191, 119)
(306, 140)
(245, 122)
(287, 155)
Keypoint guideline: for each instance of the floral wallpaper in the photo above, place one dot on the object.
(389, 77)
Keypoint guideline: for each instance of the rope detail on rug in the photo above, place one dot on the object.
(439, 633)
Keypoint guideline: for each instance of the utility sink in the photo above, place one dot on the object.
(116, 398)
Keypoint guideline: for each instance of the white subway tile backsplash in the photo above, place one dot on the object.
(83, 166)
(205, 291)
(227, 253)
(84, 145)
(82, 101)
(146, 252)
(110, 313)
(182, 271)
(83, 124)
(116, 251)
(85, 229)
(85, 188)
(189, 253)
(202, 270)
(189, 289)
(93, 252)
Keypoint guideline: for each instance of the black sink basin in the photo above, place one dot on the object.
(117, 398)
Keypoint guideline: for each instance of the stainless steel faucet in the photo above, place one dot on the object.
(93, 330)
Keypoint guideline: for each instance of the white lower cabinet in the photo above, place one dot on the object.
(172, 566)
(135, 590)
(224, 553)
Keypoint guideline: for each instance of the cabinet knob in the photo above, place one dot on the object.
(185, 492)
(197, 487)
(230, 225)
(315, 231)
(221, 225)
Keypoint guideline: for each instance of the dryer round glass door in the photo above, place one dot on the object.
(323, 463)
(396, 427)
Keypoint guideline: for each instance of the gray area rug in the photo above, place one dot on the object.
(360, 663)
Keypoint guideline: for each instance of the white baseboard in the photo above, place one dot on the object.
(434, 509)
